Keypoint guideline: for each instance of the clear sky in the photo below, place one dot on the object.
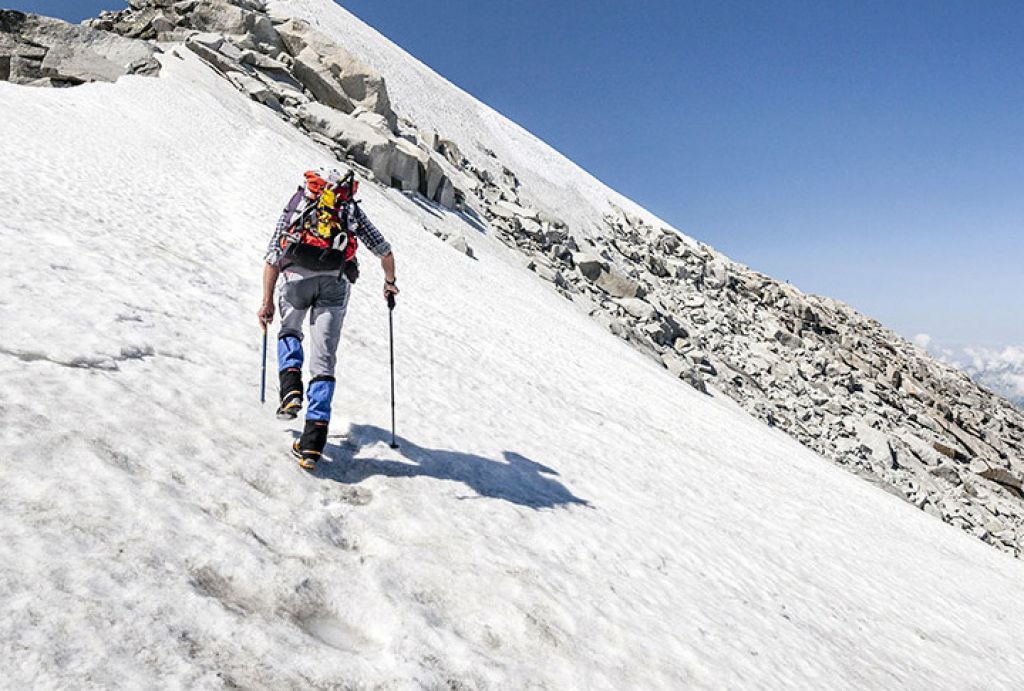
(871, 151)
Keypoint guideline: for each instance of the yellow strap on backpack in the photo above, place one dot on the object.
(327, 221)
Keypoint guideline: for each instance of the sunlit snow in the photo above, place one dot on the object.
(562, 513)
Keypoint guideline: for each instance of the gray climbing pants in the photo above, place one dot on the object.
(325, 299)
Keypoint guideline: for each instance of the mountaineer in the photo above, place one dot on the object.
(311, 262)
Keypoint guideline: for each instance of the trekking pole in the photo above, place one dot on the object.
(391, 341)
(263, 372)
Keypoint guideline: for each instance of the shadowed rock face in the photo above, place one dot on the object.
(41, 51)
(835, 380)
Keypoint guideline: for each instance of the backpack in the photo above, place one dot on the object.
(322, 236)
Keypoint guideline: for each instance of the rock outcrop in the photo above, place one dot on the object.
(331, 73)
(40, 51)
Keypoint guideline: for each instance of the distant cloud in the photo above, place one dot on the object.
(999, 369)
(987, 358)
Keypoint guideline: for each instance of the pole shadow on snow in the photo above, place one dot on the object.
(516, 479)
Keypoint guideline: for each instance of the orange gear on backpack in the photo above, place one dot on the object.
(314, 183)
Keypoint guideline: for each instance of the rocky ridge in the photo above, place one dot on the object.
(836, 380)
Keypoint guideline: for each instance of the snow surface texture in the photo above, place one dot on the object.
(835, 380)
(561, 513)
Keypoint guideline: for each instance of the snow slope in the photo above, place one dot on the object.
(561, 513)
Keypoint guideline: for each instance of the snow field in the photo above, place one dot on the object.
(561, 514)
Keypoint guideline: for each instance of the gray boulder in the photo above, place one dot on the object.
(163, 23)
(695, 379)
(947, 472)
(644, 311)
(438, 183)
(657, 266)
(256, 89)
(459, 242)
(715, 275)
(676, 365)
(429, 139)
(787, 339)
(317, 77)
(669, 241)
(333, 74)
(227, 18)
(450, 150)
(407, 161)
(529, 227)
(590, 265)
(546, 271)
(263, 62)
(1004, 477)
(215, 51)
(34, 48)
(617, 284)
(78, 63)
(511, 211)
(694, 301)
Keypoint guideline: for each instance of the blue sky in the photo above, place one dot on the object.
(871, 151)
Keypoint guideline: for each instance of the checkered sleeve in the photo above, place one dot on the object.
(368, 233)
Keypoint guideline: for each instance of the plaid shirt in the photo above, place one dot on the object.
(364, 230)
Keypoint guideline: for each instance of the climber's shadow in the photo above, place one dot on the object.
(516, 479)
